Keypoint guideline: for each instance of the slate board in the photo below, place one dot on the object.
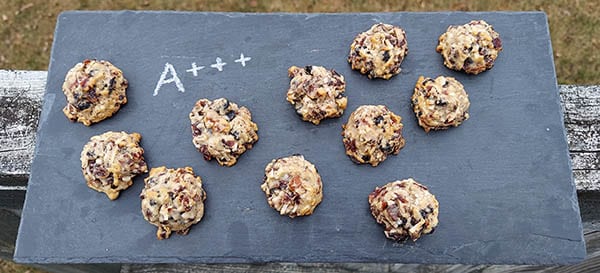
(503, 178)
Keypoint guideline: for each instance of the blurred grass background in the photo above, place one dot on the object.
(26, 29)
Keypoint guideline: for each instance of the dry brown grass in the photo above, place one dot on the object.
(26, 27)
(9, 267)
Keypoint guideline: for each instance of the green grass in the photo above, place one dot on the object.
(26, 27)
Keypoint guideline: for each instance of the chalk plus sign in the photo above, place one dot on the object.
(243, 59)
(194, 69)
(219, 65)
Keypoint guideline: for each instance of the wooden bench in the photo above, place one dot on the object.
(21, 95)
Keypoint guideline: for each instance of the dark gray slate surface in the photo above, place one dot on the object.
(503, 178)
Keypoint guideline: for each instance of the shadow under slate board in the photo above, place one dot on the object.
(503, 178)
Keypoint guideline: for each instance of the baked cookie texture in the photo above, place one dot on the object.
(292, 186)
(405, 208)
(472, 47)
(95, 90)
(372, 133)
(379, 51)
(110, 161)
(222, 130)
(316, 93)
(172, 200)
(440, 103)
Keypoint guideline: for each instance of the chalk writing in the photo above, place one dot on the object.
(170, 69)
(219, 65)
(243, 59)
(194, 69)
(163, 79)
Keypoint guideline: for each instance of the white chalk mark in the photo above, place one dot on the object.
(162, 81)
(243, 59)
(194, 70)
(219, 65)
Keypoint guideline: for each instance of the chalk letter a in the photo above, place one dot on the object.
(162, 81)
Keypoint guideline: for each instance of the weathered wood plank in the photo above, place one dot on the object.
(585, 160)
(581, 103)
(587, 180)
(12, 199)
(8, 225)
(20, 105)
(21, 95)
(581, 108)
(591, 264)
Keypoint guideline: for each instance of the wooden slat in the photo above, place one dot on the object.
(581, 108)
(8, 225)
(20, 105)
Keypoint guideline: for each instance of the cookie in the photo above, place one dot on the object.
(110, 161)
(292, 186)
(440, 103)
(172, 200)
(222, 130)
(379, 51)
(95, 90)
(372, 133)
(316, 93)
(472, 47)
(405, 208)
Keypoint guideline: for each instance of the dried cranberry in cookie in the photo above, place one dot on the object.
(472, 47)
(372, 133)
(111, 160)
(292, 186)
(405, 208)
(316, 93)
(440, 103)
(379, 51)
(222, 130)
(95, 90)
(172, 200)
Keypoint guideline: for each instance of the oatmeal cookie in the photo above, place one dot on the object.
(95, 90)
(172, 200)
(405, 208)
(472, 47)
(111, 160)
(222, 130)
(372, 133)
(292, 186)
(379, 51)
(316, 93)
(440, 103)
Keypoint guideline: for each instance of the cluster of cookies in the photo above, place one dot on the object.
(173, 199)
(406, 208)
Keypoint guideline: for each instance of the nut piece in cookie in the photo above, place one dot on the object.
(379, 51)
(472, 47)
(95, 90)
(293, 186)
(111, 160)
(440, 103)
(316, 93)
(222, 130)
(172, 200)
(372, 133)
(405, 208)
